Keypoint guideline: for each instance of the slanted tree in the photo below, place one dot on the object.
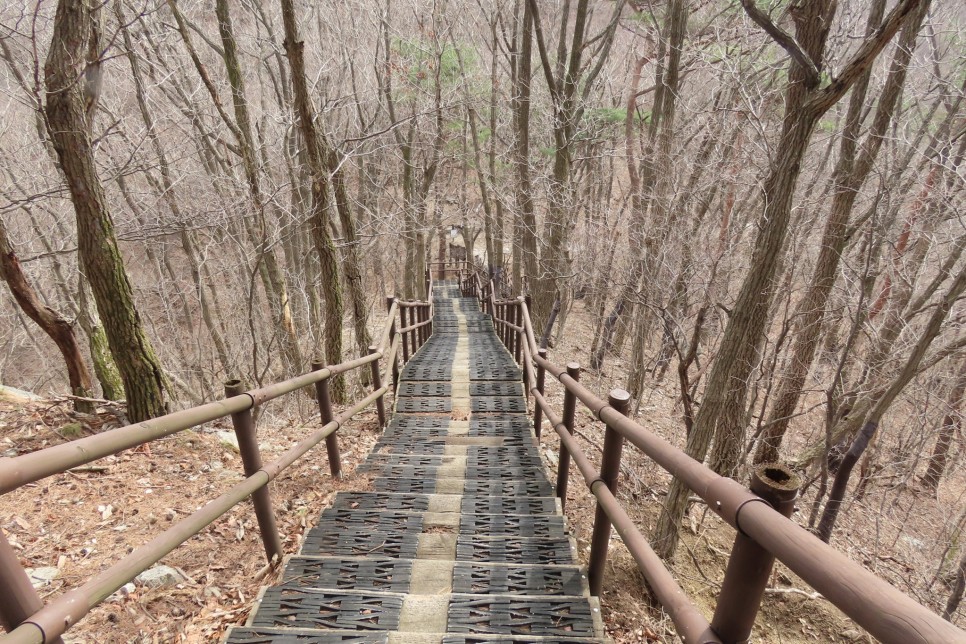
(721, 415)
(320, 195)
(72, 75)
(854, 166)
(53, 324)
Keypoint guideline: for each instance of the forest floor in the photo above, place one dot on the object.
(897, 530)
(81, 522)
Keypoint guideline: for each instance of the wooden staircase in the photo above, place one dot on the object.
(461, 539)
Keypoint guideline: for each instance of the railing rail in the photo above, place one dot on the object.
(29, 621)
(760, 515)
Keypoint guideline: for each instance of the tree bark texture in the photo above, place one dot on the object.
(849, 176)
(56, 327)
(951, 426)
(320, 198)
(273, 280)
(68, 97)
(721, 415)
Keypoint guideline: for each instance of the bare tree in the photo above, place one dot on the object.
(73, 76)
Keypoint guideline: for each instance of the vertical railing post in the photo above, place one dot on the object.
(18, 598)
(541, 378)
(505, 316)
(392, 336)
(750, 565)
(425, 329)
(405, 334)
(518, 335)
(244, 424)
(425, 318)
(610, 469)
(569, 411)
(376, 386)
(414, 334)
(325, 411)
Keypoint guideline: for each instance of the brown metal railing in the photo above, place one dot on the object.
(24, 615)
(759, 515)
(450, 269)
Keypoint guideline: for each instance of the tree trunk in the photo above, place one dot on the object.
(167, 192)
(720, 416)
(882, 404)
(952, 423)
(73, 55)
(956, 596)
(525, 242)
(57, 328)
(849, 177)
(320, 196)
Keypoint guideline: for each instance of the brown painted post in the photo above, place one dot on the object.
(376, 386)
(392, 336)
(537, 410)
(750, 565)
(405, 334)
(244, 424)
(518, 339)
(18, 599)
(510, 335)
(610, 469)
(325, 410)
(424, 317)
(413, 337)
(569, 411)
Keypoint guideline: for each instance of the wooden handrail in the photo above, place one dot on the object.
(39, 623)
(871, 602)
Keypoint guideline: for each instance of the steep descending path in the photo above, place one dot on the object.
(461, 540)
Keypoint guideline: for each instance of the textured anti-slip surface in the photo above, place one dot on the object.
(460, 539)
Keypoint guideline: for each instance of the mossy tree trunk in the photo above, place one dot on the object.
(72, 74)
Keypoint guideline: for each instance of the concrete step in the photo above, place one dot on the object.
(433, 576)
(497, 487)
(465, 614)
(248, 635)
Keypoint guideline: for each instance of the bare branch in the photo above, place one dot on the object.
(785, 40)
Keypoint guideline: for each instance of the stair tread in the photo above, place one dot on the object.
(461, 539)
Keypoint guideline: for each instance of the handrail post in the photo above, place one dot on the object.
(750, 565)
(325, 411)
(18, 598)
(541, 379)
(405, 334)
(413, 335)
(425, 329)
(610, 469)
(392, 336)
(504, 318)
(518, 335)
(244, 424)
(569, 411)
(376, 386)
